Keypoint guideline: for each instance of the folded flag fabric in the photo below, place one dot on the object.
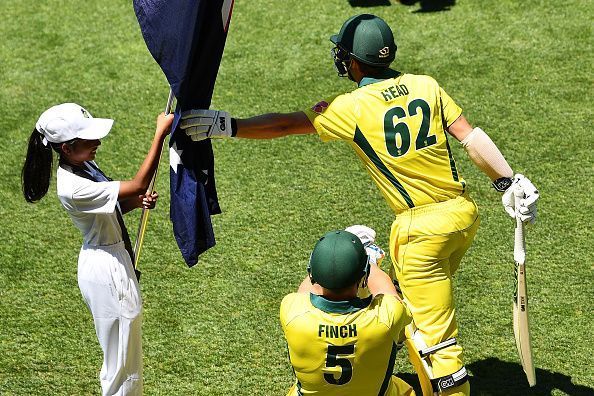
(187, 38)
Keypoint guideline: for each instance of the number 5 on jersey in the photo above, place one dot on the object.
(334, 360)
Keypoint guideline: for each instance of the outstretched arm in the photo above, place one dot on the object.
(273, 125)
(204, 124)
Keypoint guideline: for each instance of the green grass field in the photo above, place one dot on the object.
(521, 70)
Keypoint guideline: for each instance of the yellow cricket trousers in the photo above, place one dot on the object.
(397, 387)
(427, 244)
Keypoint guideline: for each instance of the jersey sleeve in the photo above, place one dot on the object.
(451, 111)
(95, 197)
(285, 310)
(334, 118)
(292, 307)
(396, 314)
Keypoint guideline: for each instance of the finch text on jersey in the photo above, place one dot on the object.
(394, 92)
(343, 331)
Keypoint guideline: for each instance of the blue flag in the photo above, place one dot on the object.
(187, 38)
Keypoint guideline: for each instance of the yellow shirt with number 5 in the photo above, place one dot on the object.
(344, 347)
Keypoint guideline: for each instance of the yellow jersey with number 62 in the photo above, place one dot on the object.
(396, 124)
(343, 347)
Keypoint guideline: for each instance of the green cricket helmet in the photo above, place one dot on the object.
(364, 37)
(338, 260)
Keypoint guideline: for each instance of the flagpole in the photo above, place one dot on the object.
(145, 212)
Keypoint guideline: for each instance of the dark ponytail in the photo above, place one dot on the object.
(37, 169)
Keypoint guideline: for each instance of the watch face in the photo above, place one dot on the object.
(502, 183)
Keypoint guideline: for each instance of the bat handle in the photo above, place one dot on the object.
(519, 239)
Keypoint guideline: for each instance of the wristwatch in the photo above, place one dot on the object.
(502, 183)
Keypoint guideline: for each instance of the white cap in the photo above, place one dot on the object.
(68, 121)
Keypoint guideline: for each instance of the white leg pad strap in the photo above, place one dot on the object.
(444, 344)
(442, 383)
(450, 381)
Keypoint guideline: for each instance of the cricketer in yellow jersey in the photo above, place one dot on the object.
(397, 123)
(340, 344)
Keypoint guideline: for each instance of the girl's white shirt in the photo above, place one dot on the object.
(91, 206)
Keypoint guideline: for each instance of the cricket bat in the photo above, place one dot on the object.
(520, 307)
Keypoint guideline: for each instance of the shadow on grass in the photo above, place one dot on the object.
(494, 377)
(369, 3)
(429, 5)
(425, 5)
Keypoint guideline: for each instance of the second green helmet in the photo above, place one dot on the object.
(368, 39)
(338, 260)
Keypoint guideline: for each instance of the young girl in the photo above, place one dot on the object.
(95, 204)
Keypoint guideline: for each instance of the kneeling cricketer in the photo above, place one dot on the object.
(339, 343)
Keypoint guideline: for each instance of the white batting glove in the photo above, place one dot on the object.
(204, 124)
(526, 211)
(376, 254)
(365, 234)
(367, 237)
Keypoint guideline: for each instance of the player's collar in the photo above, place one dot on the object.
(343, 307)
(388, 73)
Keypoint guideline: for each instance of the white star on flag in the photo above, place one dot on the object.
(175, 157)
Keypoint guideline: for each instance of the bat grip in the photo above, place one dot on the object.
(519, 238)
